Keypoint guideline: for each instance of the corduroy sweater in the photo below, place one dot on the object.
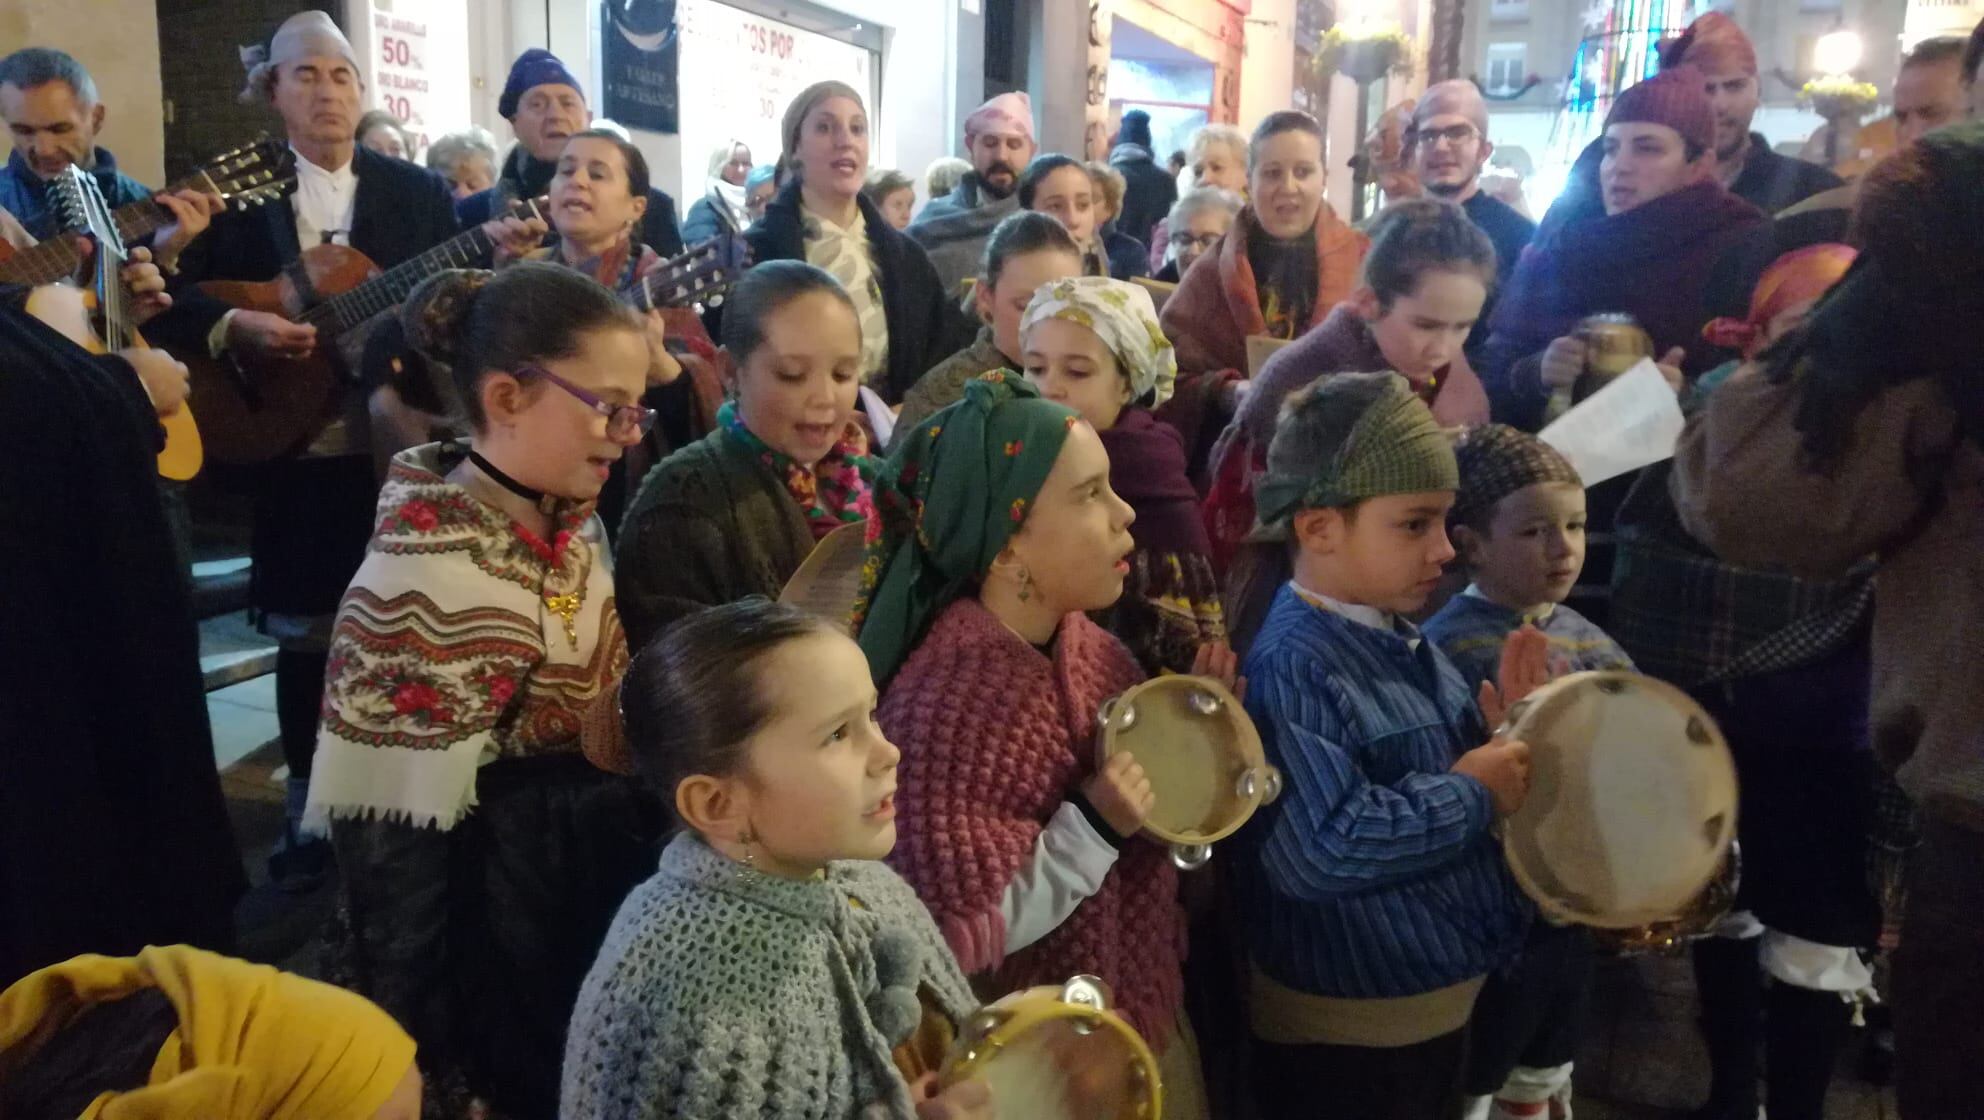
(710, 525)
(1471, 631)
(1375, 876)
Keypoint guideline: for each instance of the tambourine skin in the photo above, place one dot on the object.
(1631, 808)
(1046, 1057)
(1201, 752)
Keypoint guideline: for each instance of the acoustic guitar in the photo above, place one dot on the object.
(80, 207)
(255, 409)
(244, 177)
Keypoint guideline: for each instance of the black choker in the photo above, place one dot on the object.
(535, 497)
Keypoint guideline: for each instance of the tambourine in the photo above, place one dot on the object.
(1202, 755)
(1631, 811)
(1058, 1054)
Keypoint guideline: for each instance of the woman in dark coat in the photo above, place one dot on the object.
(821, 217)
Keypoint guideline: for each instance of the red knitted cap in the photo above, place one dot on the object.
(1713, 44)
(1675, 98)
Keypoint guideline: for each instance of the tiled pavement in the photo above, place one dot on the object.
(1642, 1059)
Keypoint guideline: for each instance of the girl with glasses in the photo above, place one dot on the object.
(482, 855)
(734, 514)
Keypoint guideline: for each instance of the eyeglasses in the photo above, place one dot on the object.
(623, 421)
(1455, 134)
(1200, 241)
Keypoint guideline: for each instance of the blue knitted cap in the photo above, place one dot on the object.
(535, 67)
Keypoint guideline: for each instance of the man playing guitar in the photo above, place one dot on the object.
(50, 104)
(314, 509)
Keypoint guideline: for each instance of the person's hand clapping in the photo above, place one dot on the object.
(1218, 661)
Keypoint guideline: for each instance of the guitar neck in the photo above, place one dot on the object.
(56, 259)
(389, 289)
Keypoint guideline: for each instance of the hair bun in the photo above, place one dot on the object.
(435, 316)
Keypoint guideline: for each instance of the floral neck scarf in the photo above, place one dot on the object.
(833, 492)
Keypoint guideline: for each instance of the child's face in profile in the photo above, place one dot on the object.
(820, 781)
(1534, 547)
(1386, 552)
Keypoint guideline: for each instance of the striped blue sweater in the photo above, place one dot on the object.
(1374, 876)
(1472, 630)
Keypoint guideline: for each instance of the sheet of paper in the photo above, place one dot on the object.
(1259, 349)
(829, 580)
(1631, 423)
(881, 418)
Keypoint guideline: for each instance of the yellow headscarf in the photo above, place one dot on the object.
(253, 1043)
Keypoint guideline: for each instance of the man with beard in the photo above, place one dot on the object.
(545, 106)
(1719, 49)
(1446, 147)
(998, 136)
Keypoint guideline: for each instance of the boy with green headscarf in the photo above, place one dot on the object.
(1377, 901)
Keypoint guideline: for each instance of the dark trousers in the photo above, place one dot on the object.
(1321, 1082)
(1532, 1012)
(1939, 979)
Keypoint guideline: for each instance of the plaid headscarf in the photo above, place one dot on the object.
(1350, 437)
(1495, 461)
(1122, 315)
(953, 493)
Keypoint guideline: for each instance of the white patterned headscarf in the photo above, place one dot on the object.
(1123, 316)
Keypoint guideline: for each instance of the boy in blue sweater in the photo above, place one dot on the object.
(1376, 900)
(1519, 522)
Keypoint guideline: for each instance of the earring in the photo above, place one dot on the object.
(1026, 585)
(748, 838)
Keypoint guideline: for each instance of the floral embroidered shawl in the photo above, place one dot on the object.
(463, 639)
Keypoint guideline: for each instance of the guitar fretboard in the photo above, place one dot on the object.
(389, 289)
(56, 259)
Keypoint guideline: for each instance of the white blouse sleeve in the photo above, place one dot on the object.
(1069, 862)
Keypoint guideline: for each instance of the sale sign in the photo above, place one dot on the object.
(416, 68)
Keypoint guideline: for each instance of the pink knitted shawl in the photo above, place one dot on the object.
(994, 738)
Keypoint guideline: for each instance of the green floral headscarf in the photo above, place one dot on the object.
(953, 493)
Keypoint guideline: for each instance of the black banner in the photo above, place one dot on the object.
(639, 54)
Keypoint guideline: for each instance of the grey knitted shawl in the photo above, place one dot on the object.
(721, 992)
